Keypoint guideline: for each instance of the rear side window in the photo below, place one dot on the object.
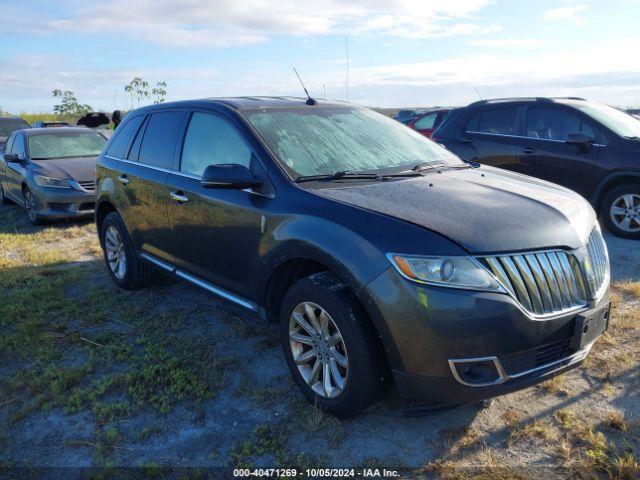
(426, 122)
(124, 136)
(555, 124)
(499, 121)
(212, 140)
(160, 138)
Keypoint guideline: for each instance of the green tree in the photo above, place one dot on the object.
(137, 89)
(159, 92)
(69, 104)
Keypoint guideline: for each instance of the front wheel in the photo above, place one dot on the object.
(125, 268)
(330, 346)
(620, 211)
(30, 206)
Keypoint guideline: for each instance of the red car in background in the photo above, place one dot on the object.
(427, 122)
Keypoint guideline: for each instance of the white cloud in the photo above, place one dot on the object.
(566, 14)
(509, 42)
(222, 23)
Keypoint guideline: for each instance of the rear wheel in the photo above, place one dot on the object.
(620, 211)
(30, 206)
(330, 346)
(126, 269)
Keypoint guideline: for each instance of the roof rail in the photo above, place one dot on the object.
(516, 99)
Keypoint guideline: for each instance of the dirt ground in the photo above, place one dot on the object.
(172, 377)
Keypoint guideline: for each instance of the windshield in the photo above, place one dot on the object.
(8, 125)
(65, 145)
(318, 141)
(620, 122)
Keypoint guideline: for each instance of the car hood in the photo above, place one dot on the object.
(484, 210)
(82, 169)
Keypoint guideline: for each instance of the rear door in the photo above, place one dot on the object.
(490, 137)
(216, 232)
(140, 187)
(544, 152)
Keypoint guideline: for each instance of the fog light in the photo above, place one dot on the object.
(478, 372)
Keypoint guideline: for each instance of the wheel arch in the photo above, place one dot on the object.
(610, 182)
(102, 210)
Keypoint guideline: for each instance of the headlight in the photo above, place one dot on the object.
(456, 272)
(51, 182)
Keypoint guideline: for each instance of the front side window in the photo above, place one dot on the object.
(65, 145)
(498, 121)
(326, 140)
(426, 122)
(123, 137)
(212, 140)
(620, 122)
(555, 124)
(8, 145)
(160, 138)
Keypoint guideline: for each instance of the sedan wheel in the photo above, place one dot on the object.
(318, 350)
(625, 212)
(116, 256)
(30, 206)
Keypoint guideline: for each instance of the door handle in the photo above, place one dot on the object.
(528, 151)
(467, 139)
(123, 179)
(179, 197)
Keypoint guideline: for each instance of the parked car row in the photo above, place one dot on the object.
(383, 256)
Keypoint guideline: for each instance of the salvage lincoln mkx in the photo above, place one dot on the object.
(382, 255)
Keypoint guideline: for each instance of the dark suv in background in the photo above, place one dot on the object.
(588, 147)
(377, 251)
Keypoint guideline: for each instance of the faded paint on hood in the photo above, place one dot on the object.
(483, 209)
(81, 169)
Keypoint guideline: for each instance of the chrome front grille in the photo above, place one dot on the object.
(544, 283)
(597, 269)
(88, 186)
(554, 282)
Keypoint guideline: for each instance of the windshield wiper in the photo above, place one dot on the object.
(346, 175)
(633, 137)
(426, 166)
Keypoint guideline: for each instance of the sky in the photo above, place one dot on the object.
(400, 52)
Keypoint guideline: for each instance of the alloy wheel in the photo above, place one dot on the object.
(114, 248)
(318, 350)
(625, 212)
(30, 205)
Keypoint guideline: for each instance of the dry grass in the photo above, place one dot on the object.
(536, 432)
(630, 288)
(616, 421)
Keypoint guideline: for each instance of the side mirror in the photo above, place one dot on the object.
(230, 176)
(579, 139)
(11, 158)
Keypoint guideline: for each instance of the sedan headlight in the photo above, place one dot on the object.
(51, 182)
(456, 272)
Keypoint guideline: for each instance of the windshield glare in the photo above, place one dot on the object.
(620, 122)
(43, 147)
(318, 141)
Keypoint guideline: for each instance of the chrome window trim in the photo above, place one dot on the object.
(199, 282)
(505, 377)
(182, 174)
(468, 132)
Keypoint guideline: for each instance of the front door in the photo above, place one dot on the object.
(15, 172)
(544, 152)
(215, 232)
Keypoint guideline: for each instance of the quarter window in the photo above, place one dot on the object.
(426, 122)
(212, 140)
(123, 136)
(500, 121)
(555, 124)
(160, 138)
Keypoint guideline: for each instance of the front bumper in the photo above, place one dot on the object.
(57, 203)
(427, 327)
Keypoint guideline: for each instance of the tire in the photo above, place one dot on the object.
(126, 269)
(364, 375)
(30, 206)
(624, 221)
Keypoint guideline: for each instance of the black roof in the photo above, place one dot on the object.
(250, 103)
(55, 131)
(490, 101)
